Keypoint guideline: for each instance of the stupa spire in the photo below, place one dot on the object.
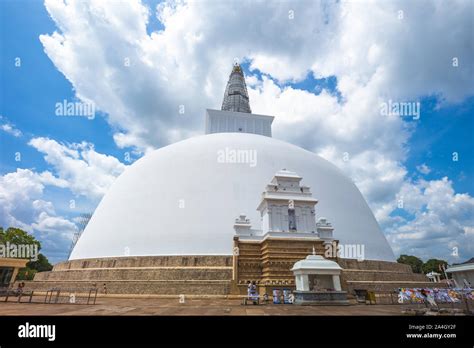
(236, 97)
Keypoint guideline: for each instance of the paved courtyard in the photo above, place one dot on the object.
(199, 307)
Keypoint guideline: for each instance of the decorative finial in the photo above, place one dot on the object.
(236, 68)
(236, 97)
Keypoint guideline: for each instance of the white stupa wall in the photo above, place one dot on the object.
(143, 212)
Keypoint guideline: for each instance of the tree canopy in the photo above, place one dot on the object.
(17, 236)
(434, 265)
(413, 261)
(418, 266)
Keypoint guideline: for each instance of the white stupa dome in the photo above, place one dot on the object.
(181, 200)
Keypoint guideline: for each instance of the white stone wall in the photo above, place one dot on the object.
(237, 122)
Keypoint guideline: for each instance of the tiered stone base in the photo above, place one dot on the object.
(162, 275)
(215, 275)
(380, 276)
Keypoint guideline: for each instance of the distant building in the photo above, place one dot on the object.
(463, 273)
(9, 268)
(434, 277)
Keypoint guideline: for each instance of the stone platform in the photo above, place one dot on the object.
(318, 298)
(213, 275)
(380, 276)
(162, 275)
(106, 306)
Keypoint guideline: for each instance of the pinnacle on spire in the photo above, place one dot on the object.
(236, 97)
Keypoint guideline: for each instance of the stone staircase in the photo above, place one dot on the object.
(160, 275)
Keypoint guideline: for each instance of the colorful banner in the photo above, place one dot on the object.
(286, 296)
(420, 295)
(277, 296)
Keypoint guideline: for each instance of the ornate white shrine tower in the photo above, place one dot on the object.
(235, 115)
(287, 209)
(286, 206)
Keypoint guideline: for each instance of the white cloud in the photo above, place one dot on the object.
(19, 194)
(22, 206)
(442, 221)
(15, 191)
(78, 167)
(54, 224)
(186, 64)
(373, 42)
(375, 54)
(9, 128)
(423, 169)
(43, 206)
(199, 43)
(86, 171)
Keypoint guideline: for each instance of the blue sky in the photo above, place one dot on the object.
(29, 94)
(35, 88)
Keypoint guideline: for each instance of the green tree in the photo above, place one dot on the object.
(18, 236)
(41, 265)
(415, 263)
(434, 265)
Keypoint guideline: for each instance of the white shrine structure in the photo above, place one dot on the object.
(434, 277)
(318, 282)
(287, 209)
